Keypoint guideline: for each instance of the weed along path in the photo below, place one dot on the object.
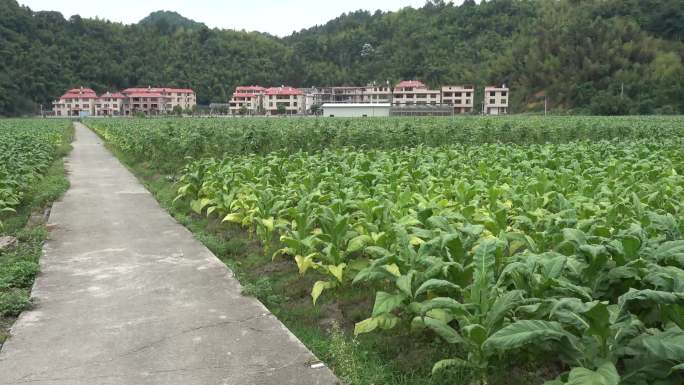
(128, 296)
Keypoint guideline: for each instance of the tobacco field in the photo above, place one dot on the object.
(557, 240)
(27, 148)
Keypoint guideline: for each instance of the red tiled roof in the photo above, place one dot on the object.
(113, 95)
(249, 88)
(180, 90)
(77, 96)
(157, 90)
(283, 91)
(80, 90)
(79, 93)
(410, 83)
(144, 95)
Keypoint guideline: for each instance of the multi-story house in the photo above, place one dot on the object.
(144, 100)
(283, 99)
(155, 101)
(496, 100)
(377, 94)
(76, 102)
(460, 97)
(110, 104)
(413, 93)
(247, 99)
(185, 98)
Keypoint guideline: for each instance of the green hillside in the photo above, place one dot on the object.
(600, 56)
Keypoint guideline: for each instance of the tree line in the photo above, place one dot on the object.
(603, 57)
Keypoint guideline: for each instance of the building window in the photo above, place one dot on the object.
(492, 101)
(492, 93)
(503, 101)
(504, 93)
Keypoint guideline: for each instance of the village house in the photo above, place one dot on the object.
(110, 104)
(247, 100)
(82, 102)
(377, 94)
(76, 102)
(286, 100)
(413, 93)
(461, 98)
(496, 100)
(156, 101)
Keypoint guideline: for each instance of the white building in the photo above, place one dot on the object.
(459, 97)
(354, 110)
(496, 100)
(415, 93)
(286, 99)
(247, 99)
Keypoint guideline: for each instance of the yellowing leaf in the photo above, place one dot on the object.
(393, 269)
(337, 271)
(318, 288)
(305, 263)
(233, 217)
(365, 326)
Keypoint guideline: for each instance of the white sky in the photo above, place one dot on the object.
(278, 17)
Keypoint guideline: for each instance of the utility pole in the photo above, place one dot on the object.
(622, 90)
(546, 102)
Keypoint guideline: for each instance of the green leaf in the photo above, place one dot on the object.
(443, 329)
(365, 326)
(358, 243)
(574, 236)
(404, 283)
(386, 303)
(452, 362)
(655, 297)
(605, 374)
(503, 305)
(525, 332)
(476, 333)
(436, 284)
(484, 260)
(668, 345)
(670, 252)
(443, 303)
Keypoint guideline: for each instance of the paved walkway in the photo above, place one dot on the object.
(128, 296)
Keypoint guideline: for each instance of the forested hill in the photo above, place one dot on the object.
(600, 56)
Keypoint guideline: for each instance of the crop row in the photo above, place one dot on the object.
(573, 249)
(167, 142)
(27, 148)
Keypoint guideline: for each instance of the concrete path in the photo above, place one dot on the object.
(128, 296)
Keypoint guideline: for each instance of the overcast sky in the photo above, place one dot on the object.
(278, 17)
